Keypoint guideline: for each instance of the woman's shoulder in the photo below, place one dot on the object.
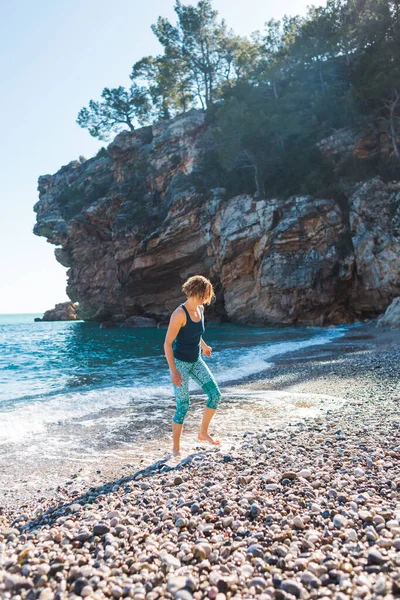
(179, 313)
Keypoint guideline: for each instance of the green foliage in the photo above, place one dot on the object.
(357, 169)
(119, 108)
(271, 97)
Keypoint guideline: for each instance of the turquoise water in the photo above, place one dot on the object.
(71, 389)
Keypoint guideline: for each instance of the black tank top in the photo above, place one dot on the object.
(186, 345)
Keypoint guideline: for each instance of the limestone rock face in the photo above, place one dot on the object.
(134, 223)
(375, 230)
(63, 311)
(392, 315)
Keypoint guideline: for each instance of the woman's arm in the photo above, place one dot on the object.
(175, 323)
(205, 348)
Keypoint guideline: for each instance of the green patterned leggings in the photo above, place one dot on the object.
(202, 375)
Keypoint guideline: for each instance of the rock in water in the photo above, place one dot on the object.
(139, 322)
(64, 311)
(392, 315)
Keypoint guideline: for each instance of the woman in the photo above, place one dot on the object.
(182, 347)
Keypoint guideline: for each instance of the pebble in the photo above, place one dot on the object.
(292, 587)
(171, 560)
(100, 529)
(339, 521)
(298, 522)
(176, 583)
(375, 557)
(306, 473)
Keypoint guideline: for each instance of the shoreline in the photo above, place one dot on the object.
(307, 510)
(298, 372)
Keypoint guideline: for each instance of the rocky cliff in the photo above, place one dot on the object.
(132, 224)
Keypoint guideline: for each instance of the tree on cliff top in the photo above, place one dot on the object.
(207, 55)
(120, 107)
(167, 83)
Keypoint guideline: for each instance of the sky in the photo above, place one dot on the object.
(54, 58)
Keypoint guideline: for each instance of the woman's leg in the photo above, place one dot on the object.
(182, 403)
(205, 379)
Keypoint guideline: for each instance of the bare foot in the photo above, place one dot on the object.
(176, 452)
(206, 437)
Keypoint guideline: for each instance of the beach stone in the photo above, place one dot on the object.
(306, 473)
(310, 579)
(42, 569)
(375, 557)
(396, 586)
(176, 583)
(80, 583)
(100, 529)
(7, 531)
(171, 560)
(255, 550)
(254, 510)
(380, 585)
(86, 591)
(83, 535)
(246, 570)
(371, 534)
(298, 522)
(292, 587)
(365, 515)
(55, 568)
(183, 595)
(339, 521)
(202, 550)
(10, 581)
(351, 534)
(259, 582)
(116, 591)
(272, 487)
(289, 475)
(46, 594)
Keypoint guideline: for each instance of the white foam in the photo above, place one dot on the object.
(255, 360)
(31, 417)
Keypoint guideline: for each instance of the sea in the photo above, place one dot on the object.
(75, 397)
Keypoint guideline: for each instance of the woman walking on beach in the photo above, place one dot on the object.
(183, 345)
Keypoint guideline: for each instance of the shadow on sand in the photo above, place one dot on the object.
(52, 513)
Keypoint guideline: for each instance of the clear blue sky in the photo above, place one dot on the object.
(56, 56)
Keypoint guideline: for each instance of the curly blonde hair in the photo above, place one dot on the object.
(199, 286)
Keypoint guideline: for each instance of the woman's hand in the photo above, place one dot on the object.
(177, 378)
(207, 350)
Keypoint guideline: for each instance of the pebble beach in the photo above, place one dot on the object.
(308, 509)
